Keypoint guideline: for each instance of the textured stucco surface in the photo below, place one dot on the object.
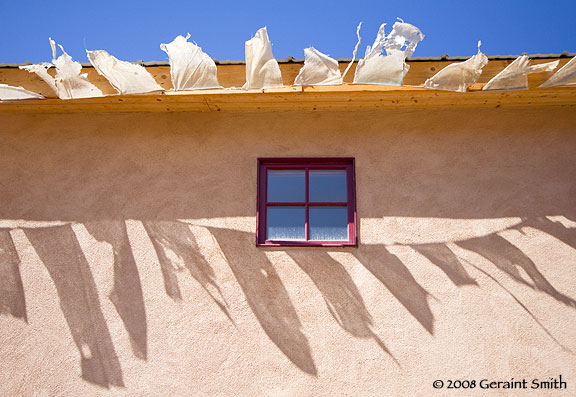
(128, 262)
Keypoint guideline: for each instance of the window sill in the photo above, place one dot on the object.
(280, 244)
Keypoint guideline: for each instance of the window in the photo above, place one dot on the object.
(306, 202)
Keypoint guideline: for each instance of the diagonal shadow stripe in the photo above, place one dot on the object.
(12, 298)
(266, 296)
(127, 292)
(62, 256)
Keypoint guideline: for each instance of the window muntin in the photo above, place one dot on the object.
(306, 202)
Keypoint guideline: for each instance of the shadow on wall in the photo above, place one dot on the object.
(60, 252)
(392, 273)
(176, 247)
(127, 292)
(176, 237)
(12, 299)
(510, 259)
(266, 296)
(341, 295)
(447, 261)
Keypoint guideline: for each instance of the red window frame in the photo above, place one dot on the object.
(306, 163)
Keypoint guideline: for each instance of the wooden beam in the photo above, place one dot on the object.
(338, 98)
(234, 75)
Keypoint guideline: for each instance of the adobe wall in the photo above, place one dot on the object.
(128, 262)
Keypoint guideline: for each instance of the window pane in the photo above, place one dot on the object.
(328, 186)
(286, 186)
(285, 223)
(328, 223)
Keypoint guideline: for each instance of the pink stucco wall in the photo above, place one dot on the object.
(128, 262)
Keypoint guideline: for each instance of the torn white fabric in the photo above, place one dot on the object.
(543, 67)
(11, 93)
(459, 76)
(125, 77)
(69, 83)
(318, 69)
(566, 76)
(190, 67)
(41, 70)
(515, 75)
(355, 50)
(262, 70)
(390, 68)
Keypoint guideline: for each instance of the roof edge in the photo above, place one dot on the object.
(444, 57)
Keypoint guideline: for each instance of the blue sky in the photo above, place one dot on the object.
(133, 30)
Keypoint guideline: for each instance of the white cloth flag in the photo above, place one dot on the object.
(318, 69)
(69, 83)
(190, 67)
(125, 77)
(566, 76)
(459, 76)
(515, 75)
(390, 68)
(262, 70)
(11, 93)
